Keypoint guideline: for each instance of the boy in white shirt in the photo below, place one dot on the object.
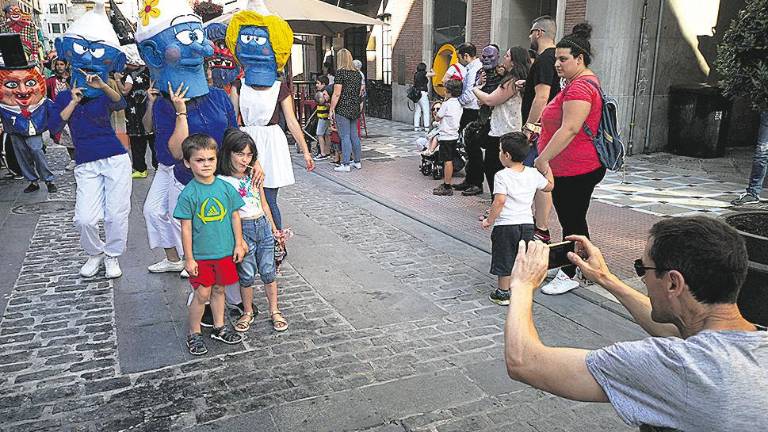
(449, 117)
(511, 215)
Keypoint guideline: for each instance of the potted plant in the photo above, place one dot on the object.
(208, 10)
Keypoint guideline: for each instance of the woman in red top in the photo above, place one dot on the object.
(565, 148)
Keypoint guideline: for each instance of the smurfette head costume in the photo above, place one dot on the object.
(173, 44)
(91, 46)
(261, 43)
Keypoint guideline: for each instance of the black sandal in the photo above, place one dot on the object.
(224, 334)
(196, 344)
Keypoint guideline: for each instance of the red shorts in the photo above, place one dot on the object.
(214, 272)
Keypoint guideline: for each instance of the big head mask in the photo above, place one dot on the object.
(224, 69)
(90, 45)
(490, 57)
(21, 84)
(261, 43)
(173, 44)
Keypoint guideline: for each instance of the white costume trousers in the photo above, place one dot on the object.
(103, 192)
(163, 230)
(174, 190)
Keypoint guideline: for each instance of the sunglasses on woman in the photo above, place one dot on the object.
(640, 269)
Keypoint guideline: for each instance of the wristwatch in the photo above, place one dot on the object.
(532, 127)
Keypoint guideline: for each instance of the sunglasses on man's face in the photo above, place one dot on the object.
(640, 269)
(535, 29)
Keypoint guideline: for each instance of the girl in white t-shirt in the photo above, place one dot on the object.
(237, 155)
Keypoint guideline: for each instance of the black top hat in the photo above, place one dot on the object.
(13, 53)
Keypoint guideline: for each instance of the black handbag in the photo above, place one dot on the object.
(413, 94)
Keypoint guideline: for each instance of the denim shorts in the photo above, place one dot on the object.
(322, 127)
(257, 234)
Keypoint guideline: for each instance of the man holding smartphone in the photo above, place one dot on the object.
(704, 368)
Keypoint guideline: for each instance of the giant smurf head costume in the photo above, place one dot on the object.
(91, 46)
(261, 43)
(222, 64)
(173, 44)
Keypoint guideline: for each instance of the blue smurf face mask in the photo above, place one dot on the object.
(94, 58)
(254, 52)
(177, 55)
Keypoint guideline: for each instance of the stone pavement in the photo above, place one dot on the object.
(390, 330)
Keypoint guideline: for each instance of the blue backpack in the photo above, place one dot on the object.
(607, 141)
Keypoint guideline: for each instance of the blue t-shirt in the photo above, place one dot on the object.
(210, 114)
(15, 123)
(210, 208)
(92, 133)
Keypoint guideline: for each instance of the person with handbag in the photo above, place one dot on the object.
(421, 109)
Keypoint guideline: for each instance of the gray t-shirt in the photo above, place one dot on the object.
(712, 381)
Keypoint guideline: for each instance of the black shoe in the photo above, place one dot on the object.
(224, 334)
(443, 190)
(51, 187)
(462, 186)
(473, 190)
(207, 320)
(238, 310)
(196, 344)
(33, 187)
(500, 297)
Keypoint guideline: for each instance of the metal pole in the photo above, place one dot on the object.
(637, 78)
(653, 77)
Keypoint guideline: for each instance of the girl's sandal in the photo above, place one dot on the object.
(243, 323)
(278, 323)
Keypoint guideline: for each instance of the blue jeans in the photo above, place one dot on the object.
(271, 195)
(760, 159)
(257, 234)
(350, 141)
(29, 154)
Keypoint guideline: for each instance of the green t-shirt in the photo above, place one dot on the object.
(210, 208)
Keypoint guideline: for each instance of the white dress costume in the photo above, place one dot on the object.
(257, 108)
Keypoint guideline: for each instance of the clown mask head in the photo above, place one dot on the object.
(490, 57)
(261, 43)
(22, 88)
(222, 65)
(13, 12)
(174, 46)
(91, 47)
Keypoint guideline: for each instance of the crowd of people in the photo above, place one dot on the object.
(545, 94)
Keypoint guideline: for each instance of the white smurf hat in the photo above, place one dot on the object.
(158, 15)
(258, 6)
(94, 26)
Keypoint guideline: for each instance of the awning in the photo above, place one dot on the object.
(311, 16)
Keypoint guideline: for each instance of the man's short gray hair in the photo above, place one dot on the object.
(357, 63)
(547, 24)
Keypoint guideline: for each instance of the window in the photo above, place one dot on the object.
(54, 8)
(386, 50)
(450, 23)
(56, 28)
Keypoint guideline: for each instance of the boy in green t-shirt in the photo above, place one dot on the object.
(212, 237)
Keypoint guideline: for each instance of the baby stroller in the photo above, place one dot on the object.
(431, 164)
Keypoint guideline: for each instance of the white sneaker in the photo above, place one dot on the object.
(184, 274)
(91, 267)
(166, 266)
(112, 268)
(561, 284)
(358, 165)
(342, 168)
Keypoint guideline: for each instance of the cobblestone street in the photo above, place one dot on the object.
(385, 291)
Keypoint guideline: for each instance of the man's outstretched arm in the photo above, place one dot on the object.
(560, 371)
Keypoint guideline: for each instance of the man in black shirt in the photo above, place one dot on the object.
(541, 86)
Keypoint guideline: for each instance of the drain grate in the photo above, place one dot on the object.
(45, 207)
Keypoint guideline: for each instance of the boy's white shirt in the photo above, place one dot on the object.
(519, 187)
(450, 118)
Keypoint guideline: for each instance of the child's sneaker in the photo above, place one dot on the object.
(196, 344)
(443, 190)
(500, 297)
(224, 334)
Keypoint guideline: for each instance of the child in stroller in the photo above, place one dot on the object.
(429, 148)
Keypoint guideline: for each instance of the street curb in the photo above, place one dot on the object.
(592, 297)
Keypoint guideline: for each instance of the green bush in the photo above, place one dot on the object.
(742, 56)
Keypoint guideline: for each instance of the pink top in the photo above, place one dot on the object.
(580, 156)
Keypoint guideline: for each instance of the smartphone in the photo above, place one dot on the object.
(558, 254)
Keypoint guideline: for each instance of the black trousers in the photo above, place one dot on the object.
(139, 151)
(491, 164)
(571, 197)
(474, 168)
